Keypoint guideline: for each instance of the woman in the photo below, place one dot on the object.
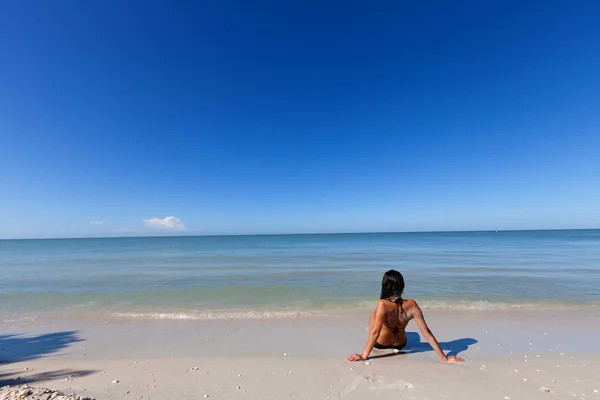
(388, 321)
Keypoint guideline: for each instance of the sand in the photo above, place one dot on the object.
(510, 355)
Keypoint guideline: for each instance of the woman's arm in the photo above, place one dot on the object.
(427, 334)
(374, 330)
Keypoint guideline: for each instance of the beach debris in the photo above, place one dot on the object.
(525, 379)
(26, 392)
(396, 351)
(115, 381)
(507, 398)
(285, 354)
(406, 385)
(367, 363)
(545, 333)
(544, 389)
(238, 387)
(205, 396)
(194, 369)
(595, 390)
(516, 370)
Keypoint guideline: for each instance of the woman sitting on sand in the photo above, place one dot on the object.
(388, 321)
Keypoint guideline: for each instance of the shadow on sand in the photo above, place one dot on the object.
(415, 345)
(16, 348)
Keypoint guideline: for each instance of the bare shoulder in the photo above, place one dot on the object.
(411, 306)
(383, 304)
(410, 303)
(382, 310)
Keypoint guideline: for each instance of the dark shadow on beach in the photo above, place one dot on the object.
(415, 345)
(17, 348)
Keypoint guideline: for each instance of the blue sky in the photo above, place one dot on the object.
(292, 117)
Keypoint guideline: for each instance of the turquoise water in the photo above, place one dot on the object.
(257, 276)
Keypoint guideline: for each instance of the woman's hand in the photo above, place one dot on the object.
(355, 357)
(454, 359)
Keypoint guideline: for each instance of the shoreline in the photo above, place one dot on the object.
(304, 358)
(82, 316)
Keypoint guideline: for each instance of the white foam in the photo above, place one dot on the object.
(212, 315)
(484, 305)
(478, 305)
(475, 305)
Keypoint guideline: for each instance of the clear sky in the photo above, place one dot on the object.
(297, 116)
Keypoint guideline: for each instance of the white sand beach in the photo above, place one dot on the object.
(510, 355)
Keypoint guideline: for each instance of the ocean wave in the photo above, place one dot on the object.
(212, 315)
(478, 305)
(332, 310)
(485, 305)
(473, 305)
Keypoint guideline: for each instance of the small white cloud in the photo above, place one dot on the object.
(167, 223)
(97, 222)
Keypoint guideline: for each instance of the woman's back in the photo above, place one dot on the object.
(396, 316)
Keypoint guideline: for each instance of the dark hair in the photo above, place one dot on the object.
(392, 284)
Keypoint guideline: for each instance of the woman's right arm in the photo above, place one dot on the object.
(374, 331)
(428, 335)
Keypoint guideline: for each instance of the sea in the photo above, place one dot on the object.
(281, 276)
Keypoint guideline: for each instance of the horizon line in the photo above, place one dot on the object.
(307, 234)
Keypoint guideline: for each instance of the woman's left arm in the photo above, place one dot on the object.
(428, 335)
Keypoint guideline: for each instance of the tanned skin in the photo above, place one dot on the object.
(387, 326)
